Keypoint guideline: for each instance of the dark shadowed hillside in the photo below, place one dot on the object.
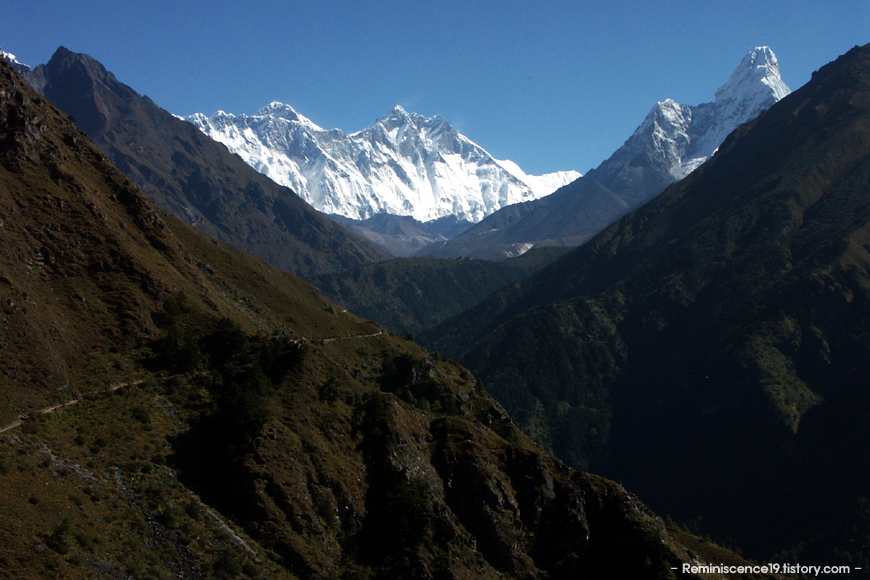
(711, 348)
(567, 217)
(174, 408)
(194, 177)
(412, 294)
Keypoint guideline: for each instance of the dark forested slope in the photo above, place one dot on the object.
(711, 348)
(417, 293)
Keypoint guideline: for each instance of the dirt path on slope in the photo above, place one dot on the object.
(352, 336)
(114, 387)
(51, 409)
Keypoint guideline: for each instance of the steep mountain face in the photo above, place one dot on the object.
(404, 164)
(162, 433)
(713, 343)
(194, 177)
(673, 140)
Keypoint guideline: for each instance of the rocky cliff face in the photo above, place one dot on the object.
(424, 495)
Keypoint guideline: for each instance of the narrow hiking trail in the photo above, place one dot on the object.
(114, 387)
(51, 409)
(352, 336)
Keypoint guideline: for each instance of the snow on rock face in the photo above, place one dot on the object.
(754, 86)
(404, 164)
(680, 137)
(756, 79)
(20, 67)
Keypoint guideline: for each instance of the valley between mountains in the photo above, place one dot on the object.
(251, 449)
(219, 381)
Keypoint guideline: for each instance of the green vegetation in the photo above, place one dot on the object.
(417, 293)
(416, 380)
(705, 350)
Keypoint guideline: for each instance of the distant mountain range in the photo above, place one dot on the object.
(673, 140)
(404, 164)
(194, 177)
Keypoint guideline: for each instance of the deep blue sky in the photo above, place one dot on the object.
(549, 84)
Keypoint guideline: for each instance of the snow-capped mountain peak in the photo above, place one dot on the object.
(678, 138)
(757, 76)
(754, 86)
(279, 110)
(403, 164)
(399, 112)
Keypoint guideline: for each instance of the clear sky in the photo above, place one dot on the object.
(548, 84)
